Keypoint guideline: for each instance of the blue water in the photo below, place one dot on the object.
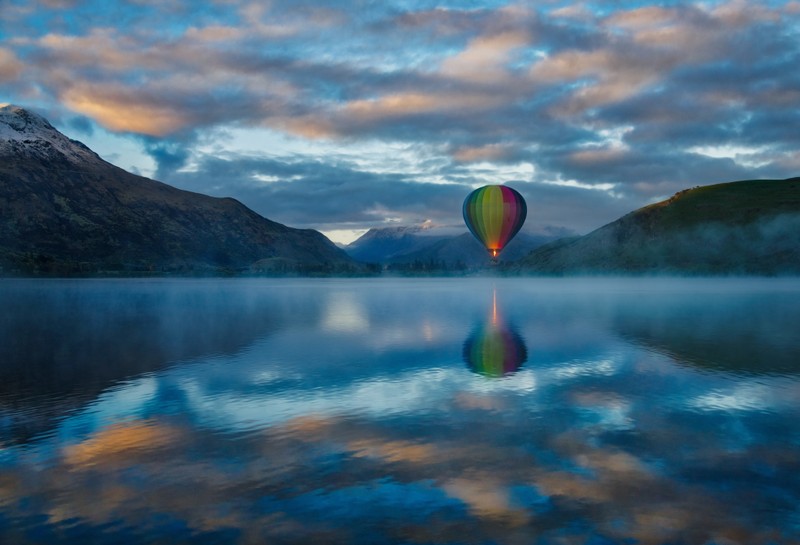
(475, 411)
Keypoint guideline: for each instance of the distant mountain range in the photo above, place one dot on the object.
(434, 248)
(382, 244)
(64, 210)
(748, 227)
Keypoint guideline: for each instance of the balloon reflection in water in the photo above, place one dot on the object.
(494, 349)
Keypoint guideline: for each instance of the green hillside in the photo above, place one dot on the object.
(735, 203)
(748, 227)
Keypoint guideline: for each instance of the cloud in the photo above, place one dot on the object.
(485, 58)
(169, 156)
(642, 18)
(561, 204)
(598, 94)
(322, 195)
(305, 193)
(578, 11)
(10, 66)
(81, 124)
(361, 113)
(489, 152)
(126, 110)
(60, 4)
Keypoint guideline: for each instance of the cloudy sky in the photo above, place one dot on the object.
(350, 115)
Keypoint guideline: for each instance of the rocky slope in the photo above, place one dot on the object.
(64, 210)
(382, 244)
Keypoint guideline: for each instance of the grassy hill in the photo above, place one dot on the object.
(748, 227)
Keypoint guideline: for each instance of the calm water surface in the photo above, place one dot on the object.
(474, 411)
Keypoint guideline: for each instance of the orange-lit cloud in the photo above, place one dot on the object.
(598, 156)
(645, 17)
(579, 11)
(393, 105)
(214, 33)
(485, 58)
(408, 104)
(489, 152)
(124, 111)
(10, 66)
(613, 75)
(313, 127)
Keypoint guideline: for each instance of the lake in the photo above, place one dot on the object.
(383, 411)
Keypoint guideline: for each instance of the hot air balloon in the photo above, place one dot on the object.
(494, 214)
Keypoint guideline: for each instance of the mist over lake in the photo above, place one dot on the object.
(437, 410)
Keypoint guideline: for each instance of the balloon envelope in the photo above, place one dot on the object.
(494, 214)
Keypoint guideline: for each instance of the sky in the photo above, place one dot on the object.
(351, 115)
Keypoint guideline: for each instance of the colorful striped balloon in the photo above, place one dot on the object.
(494, 214)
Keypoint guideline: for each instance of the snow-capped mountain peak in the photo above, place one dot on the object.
(23, 132)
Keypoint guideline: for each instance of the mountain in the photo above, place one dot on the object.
(465, 252)
(747, 227)
(381, 244)
(428, 245)
(64, 210)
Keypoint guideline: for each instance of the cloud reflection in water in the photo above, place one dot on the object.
(315, 434)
